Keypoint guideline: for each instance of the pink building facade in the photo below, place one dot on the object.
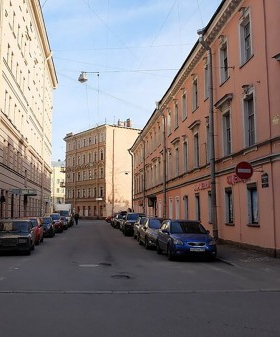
(176, 171)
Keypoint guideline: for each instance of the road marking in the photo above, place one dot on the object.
(88, 265)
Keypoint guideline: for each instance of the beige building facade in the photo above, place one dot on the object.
(98, 169)
(221, 109)
(58, 182)
(27, 81)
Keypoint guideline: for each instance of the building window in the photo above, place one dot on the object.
(249, 121)
(226, 133)
(224, 62)
(197, 206)
(168, 120)
(177, 208)
(185, 156)
(170, 208)
(196, 150)
(228, 205)
(195, 94)
(210, 216)
(186, 207)
(245, 37)
(184, 106)
(253, 211)
(176, 162)
(176, 116)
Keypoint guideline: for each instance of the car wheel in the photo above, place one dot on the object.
(139, 240)
(169, 254)
(159, 250)
(124, 232)
(28, 252)
(147, 243)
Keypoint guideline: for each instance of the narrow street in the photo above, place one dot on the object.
(92, 281)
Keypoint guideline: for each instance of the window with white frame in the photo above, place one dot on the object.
(253, 210)
(195, 94)
(184, 106)
(168, 123)
(170, 208)
(224, 73)
(249, 120)
(245, 37)
(177, 208)
(226, 133)
(228, 205)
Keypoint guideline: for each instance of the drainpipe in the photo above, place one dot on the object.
(211, 136)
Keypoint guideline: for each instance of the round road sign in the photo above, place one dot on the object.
(244, 170)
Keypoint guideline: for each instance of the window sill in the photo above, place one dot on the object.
(231, 224)
(253, 225)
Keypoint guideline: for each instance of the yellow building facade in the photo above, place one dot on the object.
(27, 81)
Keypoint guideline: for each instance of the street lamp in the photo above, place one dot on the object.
(206, 46)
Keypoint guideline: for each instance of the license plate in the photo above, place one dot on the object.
(197, 249)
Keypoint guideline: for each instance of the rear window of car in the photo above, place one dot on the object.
(133, 216)
(155, 223)
(55, 216)
(187, 227)
(15, 226)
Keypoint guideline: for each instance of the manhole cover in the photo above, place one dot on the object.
(126, 277)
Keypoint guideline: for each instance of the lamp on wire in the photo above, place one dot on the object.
(83, 75)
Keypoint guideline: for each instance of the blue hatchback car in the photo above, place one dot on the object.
(185, 238)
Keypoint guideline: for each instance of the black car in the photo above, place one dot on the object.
(49, 230)
(148, 233)
(17, 235)
(127, 225)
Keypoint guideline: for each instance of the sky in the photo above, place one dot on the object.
(130, 49)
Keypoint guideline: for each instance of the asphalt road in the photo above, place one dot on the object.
(91, 281)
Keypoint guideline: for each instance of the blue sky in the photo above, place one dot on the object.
(136, 46)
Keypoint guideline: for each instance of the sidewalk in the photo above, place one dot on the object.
(234, 255)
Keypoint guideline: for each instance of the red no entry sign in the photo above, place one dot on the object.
(244, 170)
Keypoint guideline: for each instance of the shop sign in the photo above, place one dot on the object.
(202, 186)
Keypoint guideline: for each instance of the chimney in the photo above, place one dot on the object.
(128, 123)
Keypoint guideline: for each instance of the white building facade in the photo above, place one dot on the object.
(27, 81)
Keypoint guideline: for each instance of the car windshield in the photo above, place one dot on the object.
(187, 227)
(155, 223)
(17, 226)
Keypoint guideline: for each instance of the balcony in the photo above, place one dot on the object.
(62, 169)
(62, 184)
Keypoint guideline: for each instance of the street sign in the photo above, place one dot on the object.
(244, 170)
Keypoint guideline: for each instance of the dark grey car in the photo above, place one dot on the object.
(16, 235)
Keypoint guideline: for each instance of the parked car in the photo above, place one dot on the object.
(17, 235)
(108, 218)
(185, 238)
(56, 220)
(138, 223)
(127, 224)
(148, 233)
(37, 228)
(49, 230)
(118, 219)
(64, 222)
